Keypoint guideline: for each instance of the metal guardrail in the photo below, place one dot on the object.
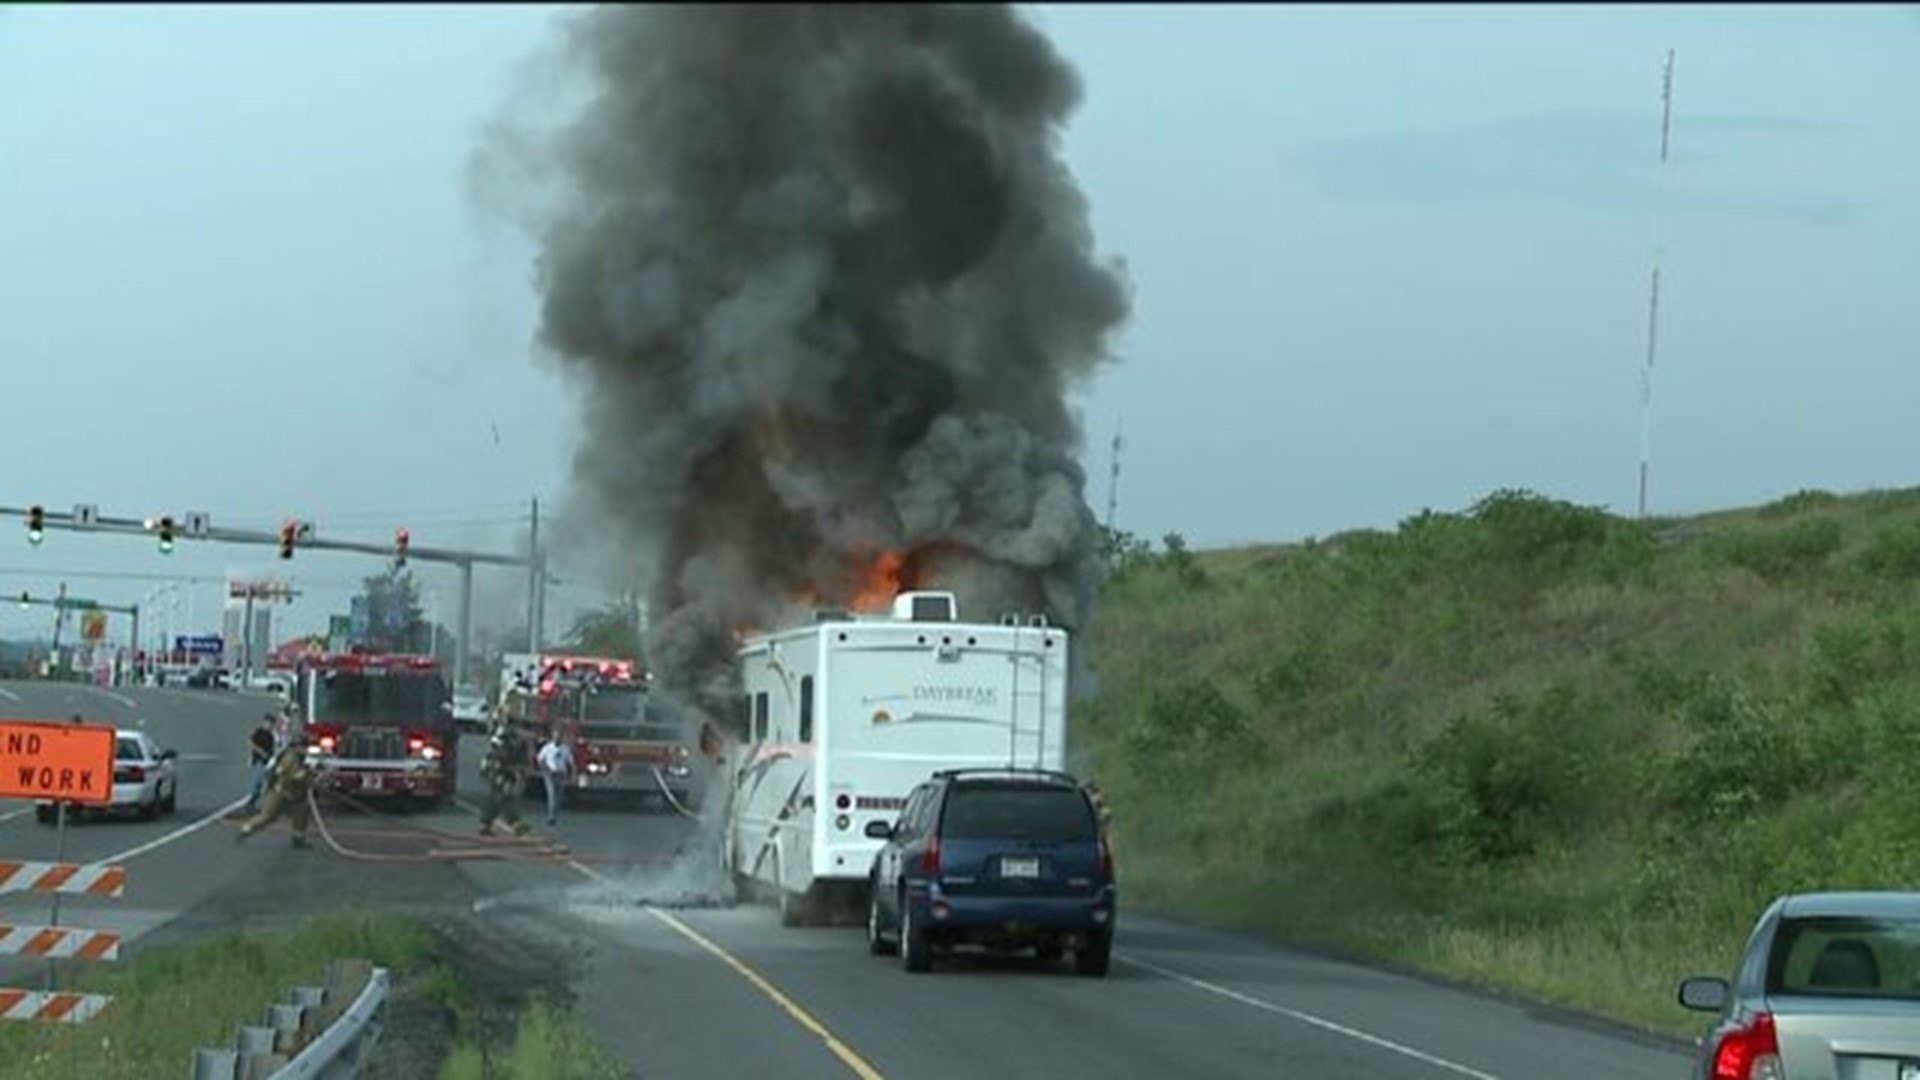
(323, 1033)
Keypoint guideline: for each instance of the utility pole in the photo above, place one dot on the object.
(1653, 291)
(535, 572)
(59, 622)
(246, 638)
(465, 644)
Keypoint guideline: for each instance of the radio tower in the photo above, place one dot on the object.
(1113, 478)
(1653, 292)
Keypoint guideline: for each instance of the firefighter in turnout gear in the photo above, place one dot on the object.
(505, 768)
(292, 780)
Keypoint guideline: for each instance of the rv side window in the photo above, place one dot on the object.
(806, 709)
(760, 717)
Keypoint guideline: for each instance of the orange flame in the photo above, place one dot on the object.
(880, 582)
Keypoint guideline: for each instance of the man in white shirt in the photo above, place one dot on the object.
(556, 764)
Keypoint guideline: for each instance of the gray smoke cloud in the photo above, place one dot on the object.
(828, 284)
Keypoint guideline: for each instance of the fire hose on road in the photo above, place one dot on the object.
(525, 849)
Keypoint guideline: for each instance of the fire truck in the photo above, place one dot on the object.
(380, 726)
(625, 739)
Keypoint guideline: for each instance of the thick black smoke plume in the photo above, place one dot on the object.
(829, 283)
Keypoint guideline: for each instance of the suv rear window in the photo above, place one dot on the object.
(128, 750)
(994, 811)
(1846, 957)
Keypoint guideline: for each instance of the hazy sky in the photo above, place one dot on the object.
(1384, 258)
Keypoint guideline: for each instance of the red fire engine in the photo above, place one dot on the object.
(623, 740)
(380, 725)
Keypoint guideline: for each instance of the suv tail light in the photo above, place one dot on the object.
(1749, 1053)
(1106, 859)
(130, 774)
(930, 858)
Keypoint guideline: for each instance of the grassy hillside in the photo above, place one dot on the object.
(1533, 745)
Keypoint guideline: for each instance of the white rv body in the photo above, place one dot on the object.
(845, 718)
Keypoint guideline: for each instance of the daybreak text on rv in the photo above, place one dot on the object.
(847, 715)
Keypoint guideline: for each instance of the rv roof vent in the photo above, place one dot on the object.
(831, 615)
(927, 607)
(1009, 619)
(1036, 620)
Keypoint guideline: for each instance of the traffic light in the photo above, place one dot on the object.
(36, 524)
(166, 536)
(25, 601)
(286, 540)
(400, 541)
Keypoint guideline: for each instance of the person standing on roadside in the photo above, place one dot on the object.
(260, 750)
(556, 765)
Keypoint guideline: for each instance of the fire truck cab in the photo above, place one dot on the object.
(380, 726)
(625, 740)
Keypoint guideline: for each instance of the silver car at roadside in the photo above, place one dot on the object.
(1828, 988)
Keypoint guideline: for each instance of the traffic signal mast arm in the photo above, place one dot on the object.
(139, 527)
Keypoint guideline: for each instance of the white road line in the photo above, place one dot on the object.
(8, 694)
(1311, 1020)
(127, 701)
(180, 833)
(11, 814)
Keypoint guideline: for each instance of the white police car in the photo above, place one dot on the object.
(144, 780)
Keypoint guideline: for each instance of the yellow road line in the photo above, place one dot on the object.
(853, 1061)
(805, 1019)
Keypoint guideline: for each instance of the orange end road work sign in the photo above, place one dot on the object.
(71, 762)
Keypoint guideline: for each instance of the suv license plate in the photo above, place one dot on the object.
(371, 782)
(1020, 868)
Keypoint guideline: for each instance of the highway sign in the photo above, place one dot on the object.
(200, 645)
(39, 760)
(93, 626)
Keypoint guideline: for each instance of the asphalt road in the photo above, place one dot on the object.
(725, 991)
(174, 862)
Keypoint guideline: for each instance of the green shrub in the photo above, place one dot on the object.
(1524, 745)
(1893, 552)
(1190, 721)
(1798, 503)
(1782, 554)
(1516, 776)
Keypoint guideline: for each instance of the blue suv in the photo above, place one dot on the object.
(1004, 858)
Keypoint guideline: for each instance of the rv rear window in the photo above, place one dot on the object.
(760, 717)
(806, 709)
(1015, 811)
